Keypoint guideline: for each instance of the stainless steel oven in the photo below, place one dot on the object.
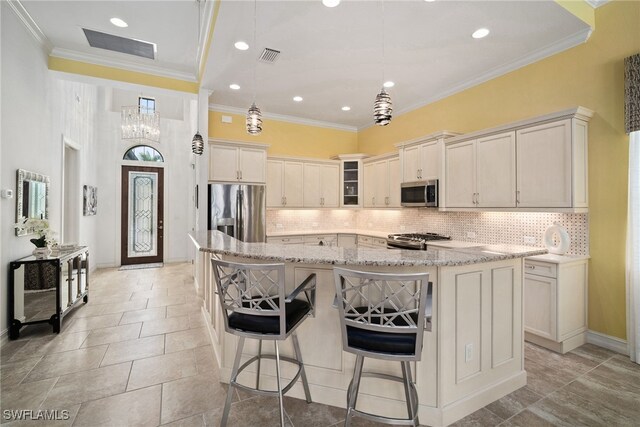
(419, 193)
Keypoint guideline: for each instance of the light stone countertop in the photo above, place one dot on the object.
(219, 243)
(315, 232)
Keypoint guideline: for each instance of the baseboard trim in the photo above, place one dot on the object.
(607, 341)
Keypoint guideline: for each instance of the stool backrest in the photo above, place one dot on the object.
(253, 289)
(382, 302)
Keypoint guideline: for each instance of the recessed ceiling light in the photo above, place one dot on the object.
(234, 86)
(346, 108)
(240, 45)
(480, 33)
(297, 98)
(389, 84)
(119, 22)
(331, 3)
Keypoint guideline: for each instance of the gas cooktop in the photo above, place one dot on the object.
(416, 241)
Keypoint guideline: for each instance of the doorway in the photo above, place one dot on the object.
(142, 215)
(71, 190)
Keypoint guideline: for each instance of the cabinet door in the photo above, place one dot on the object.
(544, 165)
(330, 179)
(381, 183)
(252, 164)
(496, 171)
(430, 155)
(311, 184)
(540, 306)
(369, 185)
(223, 163)
(394, 183)
(292, 185)
(411, 159)
(460, 171)
(275, 183)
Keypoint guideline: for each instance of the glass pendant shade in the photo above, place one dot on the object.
(382, 109)
(254, 120)
(197, 144)
(139, 125)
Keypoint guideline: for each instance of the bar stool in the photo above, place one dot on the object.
(382, 316)
(255, 306)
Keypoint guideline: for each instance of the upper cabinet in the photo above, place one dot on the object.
(284, 184)
(351, 175)
(321, 185)
(382, 182)
(237, 162)
(422, 159)
(538, 164)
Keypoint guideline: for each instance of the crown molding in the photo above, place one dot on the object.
(30, 25)
(284, 118)
(596, 3)
(204, 36)
(552, 49)
(124, 65)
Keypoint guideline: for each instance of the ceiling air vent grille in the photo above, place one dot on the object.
(269, 55)
(120, 44)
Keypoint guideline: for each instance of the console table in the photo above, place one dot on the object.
(44, 290)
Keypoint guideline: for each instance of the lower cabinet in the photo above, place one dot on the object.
(347, 241)
(371, 242)
(321, 240)
(555, 301)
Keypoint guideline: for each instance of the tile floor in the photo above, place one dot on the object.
(139, 354)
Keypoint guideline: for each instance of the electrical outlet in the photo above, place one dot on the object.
(529, 240)
(471, 234)
(468, 353)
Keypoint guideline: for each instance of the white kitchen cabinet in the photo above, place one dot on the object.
(555, 301)
(351, 175)
(236, 162)
(284, 183)
(349, 241)
(321, 185)
(481, 172)
(412, 163)
(371, 242)
(321, 240)
(422, 159)
(382, 182)
(286, 240)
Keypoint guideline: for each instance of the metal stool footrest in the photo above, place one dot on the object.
(256, 358)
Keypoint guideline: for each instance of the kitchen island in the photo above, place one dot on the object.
(472, 354)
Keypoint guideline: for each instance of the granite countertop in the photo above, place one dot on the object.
(219, 243)
(282, 233)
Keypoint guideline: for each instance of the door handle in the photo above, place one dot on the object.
(160, 227)
(240, 172)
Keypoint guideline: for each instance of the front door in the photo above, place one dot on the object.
(142, 215)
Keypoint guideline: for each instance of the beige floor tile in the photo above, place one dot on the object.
(90, 310)
(88, 385)
(182, 290)
(157, 293)
(57, 364)
(259, 411)
(513, 403)
(51, 344)
(168, 300)
(190, 396)
(184, 340)
(89, 323)
(9, 348)
(108, 298)
(196, 320)
(134, 349)
(160, 369)
(163, 326)
(144, 315)
(194, 421)
(182, 309)
(62, 418)
(306, 414)
(25, 396)
(481, 417)
(113, 334)
(206, 360)
(11, 373)
(137, 304)
(135, 408)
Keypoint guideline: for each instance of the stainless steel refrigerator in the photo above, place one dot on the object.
(238, 210)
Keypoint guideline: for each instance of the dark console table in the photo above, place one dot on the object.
(44, 290)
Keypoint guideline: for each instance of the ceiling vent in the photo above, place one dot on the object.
(120, 44)
(269, 55)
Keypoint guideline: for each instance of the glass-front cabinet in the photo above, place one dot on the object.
(351, 180)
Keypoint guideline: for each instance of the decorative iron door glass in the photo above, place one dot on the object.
(142, 214)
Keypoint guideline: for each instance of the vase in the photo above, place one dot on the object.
(41, 253)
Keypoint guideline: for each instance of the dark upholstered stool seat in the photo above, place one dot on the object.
(295, 310)
(381, 342)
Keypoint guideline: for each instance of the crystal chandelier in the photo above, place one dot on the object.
(254, 120)
(382, 108)
(140, 125)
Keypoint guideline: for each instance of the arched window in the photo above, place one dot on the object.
(143, 153)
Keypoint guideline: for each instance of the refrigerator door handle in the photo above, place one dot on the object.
(239, 226)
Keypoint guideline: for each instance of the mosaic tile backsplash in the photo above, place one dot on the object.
(489, 227)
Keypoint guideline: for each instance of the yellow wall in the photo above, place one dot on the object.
(286, 138)
(590, 75)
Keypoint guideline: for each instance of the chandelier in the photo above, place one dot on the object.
(140, 125)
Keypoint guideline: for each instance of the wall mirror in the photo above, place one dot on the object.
(32, 197)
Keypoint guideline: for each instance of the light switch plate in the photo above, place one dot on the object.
(7, 194)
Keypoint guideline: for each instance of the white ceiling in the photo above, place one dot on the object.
(333, 56)
(330, 56)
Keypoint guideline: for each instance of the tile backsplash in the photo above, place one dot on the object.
(489, 227)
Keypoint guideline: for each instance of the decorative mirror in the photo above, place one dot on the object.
(32, 200)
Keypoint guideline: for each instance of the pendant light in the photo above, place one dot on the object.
(197, 143)
(382, 107)
(254, 116)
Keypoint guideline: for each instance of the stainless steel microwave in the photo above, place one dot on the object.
(419, 193)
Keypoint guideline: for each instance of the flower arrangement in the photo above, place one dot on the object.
(40, 227)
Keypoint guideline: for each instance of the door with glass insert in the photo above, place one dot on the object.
(142, 215)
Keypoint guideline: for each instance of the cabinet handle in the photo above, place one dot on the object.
(285, 200)
(518, 197)
(373, 201)
(237, 174)
(282, 200)
(240, 174)
(531, 267)
(477, 198)
(386, 200)
(285, 240)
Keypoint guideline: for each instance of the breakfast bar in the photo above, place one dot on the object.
(473, 345)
